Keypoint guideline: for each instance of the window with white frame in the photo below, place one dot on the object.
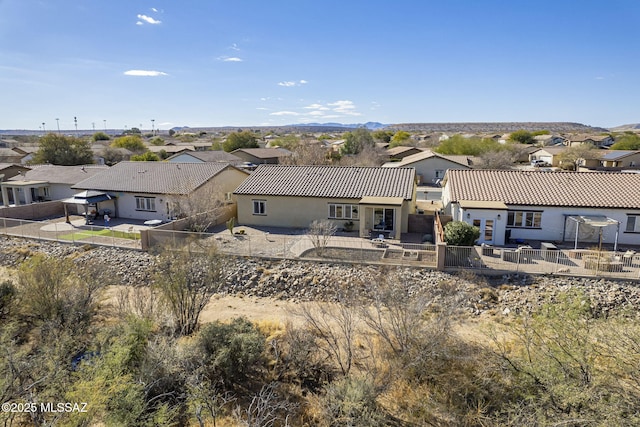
(259, 207)
(633, 224)
(341, 211)
(145, 204)
(524, 219)
(439, 173)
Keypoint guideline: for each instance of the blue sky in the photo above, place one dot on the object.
(255, 62)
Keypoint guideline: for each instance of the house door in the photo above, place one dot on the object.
(383, 219)
(486, 230)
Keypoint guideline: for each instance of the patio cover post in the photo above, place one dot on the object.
(577, 229)
(615, 244)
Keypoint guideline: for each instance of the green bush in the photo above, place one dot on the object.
(231, 351)
(460, 233)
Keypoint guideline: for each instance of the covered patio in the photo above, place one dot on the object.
(88, 199)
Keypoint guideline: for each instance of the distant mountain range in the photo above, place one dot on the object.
(452, 127)
(622, 128)
(368, 125)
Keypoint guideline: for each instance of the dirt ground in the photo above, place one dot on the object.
(253, 308)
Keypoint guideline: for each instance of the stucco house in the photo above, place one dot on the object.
(156, 190)
(546, 206)
(613, 160)
(600, 141)
(45, 182)
(550, 155)
(374, 199)
(430, 167)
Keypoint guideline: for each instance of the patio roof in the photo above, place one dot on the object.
(24, 183)
(88, 197)
(594, 220)
(369, 200)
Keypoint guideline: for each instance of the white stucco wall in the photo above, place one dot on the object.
(554, 225)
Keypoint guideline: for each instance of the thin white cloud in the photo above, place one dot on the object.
(139, 23)
(599, 78)
(344, 107)
(230, 59)
(290, 83)
(153, 9)
(148, 20)
(284, 113)
(317, 107)
(234, 46)
(262, 108)
(144, 73)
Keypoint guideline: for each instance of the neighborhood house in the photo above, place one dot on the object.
(581, 208)
(157, 190)
(372, 200)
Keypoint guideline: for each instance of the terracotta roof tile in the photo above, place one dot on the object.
(538, 188)
(153, 177)
(329, 181)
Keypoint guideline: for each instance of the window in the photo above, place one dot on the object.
(259, 207)
(146, 204)
(524, 219)
(439, 174)
(633, 224)
(383, 219)
(338, 211)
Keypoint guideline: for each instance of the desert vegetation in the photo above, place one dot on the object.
(383, 352)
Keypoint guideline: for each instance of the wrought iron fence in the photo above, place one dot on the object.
(541, 261)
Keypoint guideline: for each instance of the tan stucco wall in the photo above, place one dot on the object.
(299, 212)
(427, 168)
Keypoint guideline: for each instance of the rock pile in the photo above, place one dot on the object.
(306, 281)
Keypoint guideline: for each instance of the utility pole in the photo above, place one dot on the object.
(75, 121)
(153, 126)
(43, 129)
(105, 125)
(93, 125)
(58, 123)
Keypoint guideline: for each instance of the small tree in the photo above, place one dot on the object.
(63, 150)
(320, 233)
(147, 156)
(237, 140)
(187, 280)
(460, 233)
(131, 142)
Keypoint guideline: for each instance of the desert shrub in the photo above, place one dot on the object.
(460, 233)
(231, 351)
(351, 401)
(7, 297)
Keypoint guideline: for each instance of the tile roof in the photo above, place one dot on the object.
(329, 181)
(427, 154)
(60, 174)
(211, 156)
(264, 153)
(153, 177)
(400, 149)
(538, 188)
